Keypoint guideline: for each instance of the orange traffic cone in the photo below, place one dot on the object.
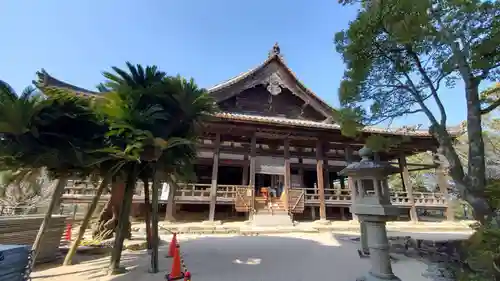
(176, 272)
(67, 233)
(173, 245)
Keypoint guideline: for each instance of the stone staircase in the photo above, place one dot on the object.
(271, 214)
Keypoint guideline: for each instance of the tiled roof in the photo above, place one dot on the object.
(272, 56)
(313, 124)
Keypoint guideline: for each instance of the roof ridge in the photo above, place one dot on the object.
(240, 76)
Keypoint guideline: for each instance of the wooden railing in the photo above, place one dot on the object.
(187, 192)
(193, 192)
(226, 194)
(343, 196)
(296, 200)
(332, 196)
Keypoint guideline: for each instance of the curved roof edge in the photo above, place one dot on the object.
(274, 55)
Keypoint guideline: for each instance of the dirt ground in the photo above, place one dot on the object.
(292, 257)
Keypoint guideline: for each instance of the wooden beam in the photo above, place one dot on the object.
(408, 186)
(320, 180)
(215, 174)
(424, 143)
(265, 152)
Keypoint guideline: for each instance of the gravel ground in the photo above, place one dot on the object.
(291, 257)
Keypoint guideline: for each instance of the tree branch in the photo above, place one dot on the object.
(491, 107)
(429, 83)
(485, 72)
(440, 78)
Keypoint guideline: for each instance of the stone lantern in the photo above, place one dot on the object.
(372, 205)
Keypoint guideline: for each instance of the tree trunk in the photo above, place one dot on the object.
(169, 216)
(108, 219)
(471, 185)
(56, 197)
(86, 220)
(476, 171)
(123, 222)
(154, 221)
(147, 207)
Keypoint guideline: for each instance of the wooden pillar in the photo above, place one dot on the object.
(350, 182)
(253, 150)
(320, 180)
(215, 174)
(409, 189)
(328, 184)
(301, 173)
(443, 186)
(342, 213)
(287, 177)
(244, 180)
(313, 213)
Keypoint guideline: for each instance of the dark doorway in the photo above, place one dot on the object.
(230, 175)
(310, 178)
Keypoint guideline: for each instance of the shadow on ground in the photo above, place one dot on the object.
(263, 258)
(244, 258)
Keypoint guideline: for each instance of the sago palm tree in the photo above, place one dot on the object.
(52, 132)
(155, 117)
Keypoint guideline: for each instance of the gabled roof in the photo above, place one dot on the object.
(274, 56)
(46, 80)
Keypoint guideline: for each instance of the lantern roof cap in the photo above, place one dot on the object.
(367, 166)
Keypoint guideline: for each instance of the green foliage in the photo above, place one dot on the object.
(398, 53)
(52, 131)
(483, 254)
(143, 115)
(17, 111)
(153, 117)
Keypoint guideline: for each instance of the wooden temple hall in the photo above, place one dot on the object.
(275, 149)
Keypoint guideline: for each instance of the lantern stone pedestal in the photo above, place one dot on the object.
(372, 205)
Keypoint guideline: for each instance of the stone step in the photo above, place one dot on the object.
(277, 219)
(273, 209)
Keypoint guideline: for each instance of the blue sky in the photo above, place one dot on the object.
(211, 41)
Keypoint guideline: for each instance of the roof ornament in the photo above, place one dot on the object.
(275, 51)
(274, 84)
(42, 79)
